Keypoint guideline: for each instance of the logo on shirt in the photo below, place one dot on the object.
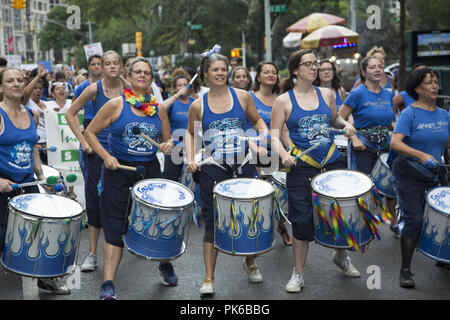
(224, 136)
(21, 155)
(133, 140)
(306, 130)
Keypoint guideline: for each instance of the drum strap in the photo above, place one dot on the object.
(310, 160)
(419, 167)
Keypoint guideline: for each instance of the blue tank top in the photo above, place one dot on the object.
(221, 132)
(99, 102)
(16, 149)
(88, 107)
(265, 112)
(300, 127)
(127, 146)
(178, 118)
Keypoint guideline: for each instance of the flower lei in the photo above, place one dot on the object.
(147, 104)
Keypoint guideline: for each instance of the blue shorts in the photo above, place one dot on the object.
(298, 184)
(115, 204)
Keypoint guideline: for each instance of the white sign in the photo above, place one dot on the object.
(65, 159)
(14, 61)
(93, 48)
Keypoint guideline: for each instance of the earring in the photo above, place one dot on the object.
(294, 81)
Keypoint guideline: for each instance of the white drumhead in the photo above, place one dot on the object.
(164, 193)
(280, 177)
(341, 140)
(244, 188)
(341, 183)
(439, 199)
(46, 205)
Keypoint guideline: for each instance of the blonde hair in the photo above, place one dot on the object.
(374, 50)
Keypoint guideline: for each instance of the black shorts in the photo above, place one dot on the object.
(298, 185)
(115, 203)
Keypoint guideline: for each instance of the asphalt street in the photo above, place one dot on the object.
(139, 279)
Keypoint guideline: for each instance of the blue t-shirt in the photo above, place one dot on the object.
(178, 119)
(424, 130)
(407, 99)
(88, 107)
(369, 108)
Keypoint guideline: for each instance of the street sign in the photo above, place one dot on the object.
(196, 26)
(278, 8)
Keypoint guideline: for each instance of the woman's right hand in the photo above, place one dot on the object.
(5, 185)
(86, 147)
(192, 167)
(427, 157)
(288, 161)
(111, 163)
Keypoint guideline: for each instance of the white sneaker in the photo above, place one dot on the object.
(207, 287)
(346, 266)
(90, 264)
(296, 282)
(253, 272)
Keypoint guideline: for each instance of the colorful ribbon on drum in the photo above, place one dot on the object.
(340, 226)
(256, 212)
(370, 220)
(385, 214)
(321, 214)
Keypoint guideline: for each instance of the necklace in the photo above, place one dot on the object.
(147, 104)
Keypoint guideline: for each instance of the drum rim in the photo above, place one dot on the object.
(277, 180)
(161, 206)
(243, 199)
(43, 217)
(350, 197)
(439, 210)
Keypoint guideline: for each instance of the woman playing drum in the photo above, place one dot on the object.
(301, 108)
(19, 154)
(372, 109)
(421, 137)
(222, 113)
(121, 115)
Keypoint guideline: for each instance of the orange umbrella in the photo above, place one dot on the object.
(315, 21)
(328, 36)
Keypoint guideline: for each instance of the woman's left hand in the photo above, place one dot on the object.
(349, 130)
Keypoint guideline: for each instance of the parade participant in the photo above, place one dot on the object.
(18, 130)
(296, 109)
(177, 107)
(264, 93)
(100, 92)
(120, 115)
(58, 93)
(223, 113)
(371, 107)
(403, 100)
(240, 78)
(328, 78)
(386, 81)
(421, 136)
(154, 89)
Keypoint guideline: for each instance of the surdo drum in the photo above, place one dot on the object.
(42, 235)
(342, 209)
(244, 212)
(158, 220)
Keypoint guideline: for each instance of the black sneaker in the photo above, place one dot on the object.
(168, 273)
(406, 280)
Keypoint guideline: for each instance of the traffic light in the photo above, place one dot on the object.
(22, 4)
(18, 4)
(235, 53)
(139, 43)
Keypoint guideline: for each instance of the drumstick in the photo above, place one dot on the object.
(51, 180)
(263, 136)
(322, 142)
(192, 80)
(137, 131)
(139, 169)
(51, 149)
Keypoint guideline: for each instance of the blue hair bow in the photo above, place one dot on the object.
(215, 49)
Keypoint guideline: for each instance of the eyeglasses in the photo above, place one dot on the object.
(310, 64)
(325, 69)
(147, 73)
